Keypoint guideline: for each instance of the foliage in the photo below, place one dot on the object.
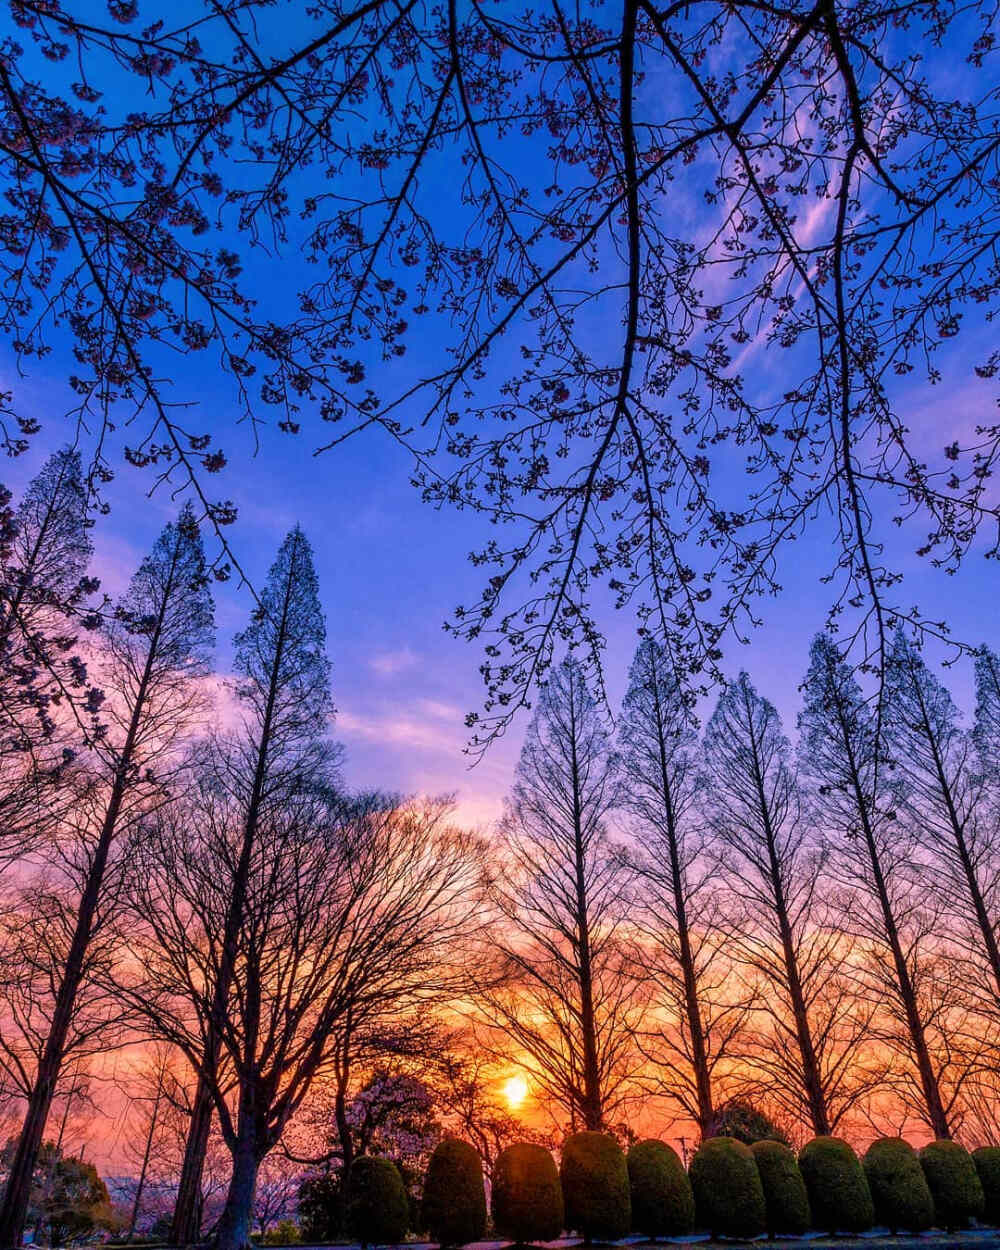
(662, 1198)
(987, 1161)
(954, 1183)
(454, 1202)
(595, 1184)
(785, 1196)
(839, 1197)
(526, 1196)
(746, 1123)
(606, 454)
(899, 1190)
(320, 1207)
(69, 1201)
(378, 1210)
(728, 1195)
(284, 1233)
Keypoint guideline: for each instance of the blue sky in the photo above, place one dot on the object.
(391, 569)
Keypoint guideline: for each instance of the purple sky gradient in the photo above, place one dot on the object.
(391, 569)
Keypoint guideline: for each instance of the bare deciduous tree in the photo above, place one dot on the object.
(562, 992)
(676, 919)
(350, 909)
(844, 753)
(155, 649)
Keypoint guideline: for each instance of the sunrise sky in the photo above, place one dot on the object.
(391, 569)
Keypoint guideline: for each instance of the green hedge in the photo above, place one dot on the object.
(898, 1187)
(662, 1199)
(839, 1196)
(987, 1161)
(378, 1210)
(954, 1183)
(527, 1198)
(728, 1195)
(595, 1186)
(454, 1205)
(786, 1200)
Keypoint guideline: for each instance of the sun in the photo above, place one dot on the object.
(515, 1090)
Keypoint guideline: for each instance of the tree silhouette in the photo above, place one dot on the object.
(156, 647)
(591, 303)
(844, 752)
(660, 774)
(772, 870)
(562, 992)
(283, 687)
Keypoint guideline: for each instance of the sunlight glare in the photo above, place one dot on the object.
(515, 1090)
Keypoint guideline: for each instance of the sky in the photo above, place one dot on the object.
(392, 569)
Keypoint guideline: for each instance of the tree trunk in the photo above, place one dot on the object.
(14, 1209)
(185, 1227)
(141, 1182)
(699, 1050)
(812, 1083)
(17, 1194)
(233, 1229)
(936, 1115)
(592, 1106)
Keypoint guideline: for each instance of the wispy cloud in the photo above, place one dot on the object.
(389, 663)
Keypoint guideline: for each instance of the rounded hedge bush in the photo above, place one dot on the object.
(454, 1205)
(728, 1195)
(378, 1210)
(987, 1161)
(954, 1183)
(662, 1199)
(527, 1199)
(899, 1190)
(839, 1197)
(786, 1200)
(595, 1186)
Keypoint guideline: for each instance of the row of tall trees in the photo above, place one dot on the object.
(667, 918)
(202, 881)
(721, 915)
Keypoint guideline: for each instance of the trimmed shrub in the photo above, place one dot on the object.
(987, 1161)
(786, 1201)
(728, 1195)
(662, 1199)
(954, 1183)
(595, 1186)
(454, 1206)
(839, 1197)
(899, 1190)
(378, 1210)
(527, 1198)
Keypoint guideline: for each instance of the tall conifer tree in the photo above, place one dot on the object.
(283, 687)
(754, 810)
(659, 764)
(945, 796)
(564, 990)
(844, 753)
(156, 645)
